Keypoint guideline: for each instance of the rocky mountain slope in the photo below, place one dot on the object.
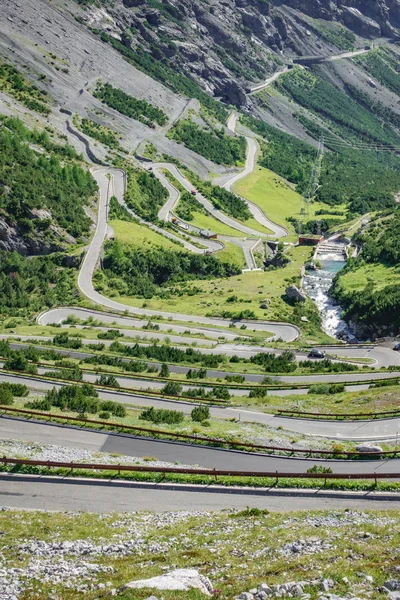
(224, 43)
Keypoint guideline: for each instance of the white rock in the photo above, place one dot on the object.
(180, 579)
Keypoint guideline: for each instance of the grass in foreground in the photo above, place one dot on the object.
(236, 550)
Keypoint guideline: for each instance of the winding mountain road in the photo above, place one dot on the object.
(112, 182)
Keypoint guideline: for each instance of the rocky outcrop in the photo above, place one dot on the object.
(12, 238)
(293, 293)
(225, 44)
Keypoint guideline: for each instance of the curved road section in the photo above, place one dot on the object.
(115, 185)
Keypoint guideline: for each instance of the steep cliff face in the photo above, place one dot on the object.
(365, 17)
(225, 43)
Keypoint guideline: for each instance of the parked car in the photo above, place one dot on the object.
(396, 347)
(193, 192)
(315, 353)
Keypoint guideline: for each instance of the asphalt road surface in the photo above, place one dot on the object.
(60, 494)
(127, 445)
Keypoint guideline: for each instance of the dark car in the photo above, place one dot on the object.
(396, 347)
(315, 353)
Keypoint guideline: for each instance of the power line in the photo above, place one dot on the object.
(313, 183)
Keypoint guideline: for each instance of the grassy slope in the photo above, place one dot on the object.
(214, 544)
(208, 222)
(251, 287)
(364, 276)
(137, 235)
(276, 198)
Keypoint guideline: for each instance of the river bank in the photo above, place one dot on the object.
(332, 258)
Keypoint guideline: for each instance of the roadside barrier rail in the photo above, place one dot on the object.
(322, 416)
(195, 471)
(235, 445)
(134, 392)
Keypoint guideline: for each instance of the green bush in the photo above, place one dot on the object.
(108, 380)
(258, 392)
(326, 388)
(38, 404)
(6, 395)
(172, 388)
(200, 413)
(161, 415)
(104, 416)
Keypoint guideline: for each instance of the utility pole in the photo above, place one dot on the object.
(315, 176)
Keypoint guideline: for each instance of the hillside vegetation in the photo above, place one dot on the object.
(215, 145)
(32, 180)
(369, 287)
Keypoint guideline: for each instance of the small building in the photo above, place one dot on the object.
(310, 240)
(207, 234)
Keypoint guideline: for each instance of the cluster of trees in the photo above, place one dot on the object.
(118, 212)
(156, 66)
(384, 66)
(272, 363)
(284, 154)
(81, 399)
(30, 285)
(226, 201)
(174, 417)
(9, 390)
(169, 354)
(40, 138)
(141, 110)
(12, 82)
(327, 366)
(145, 271)
(187, 206)
(144, 194)
(214, 145)
(343, 113)
(99, 132)
(31, 180)
(375, 308)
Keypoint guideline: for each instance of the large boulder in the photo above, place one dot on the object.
(293, 293)
(181, 580)
(368, 448)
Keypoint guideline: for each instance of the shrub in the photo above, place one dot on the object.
(115, 408)
(258, 392)
(6, 395)
(326, 388)
(200, 413)
(172, 389)
(43, 404)
(162, 415)
(108, 380)
(19, 390)
(164, 371)
(221, 393)
(104, 415)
